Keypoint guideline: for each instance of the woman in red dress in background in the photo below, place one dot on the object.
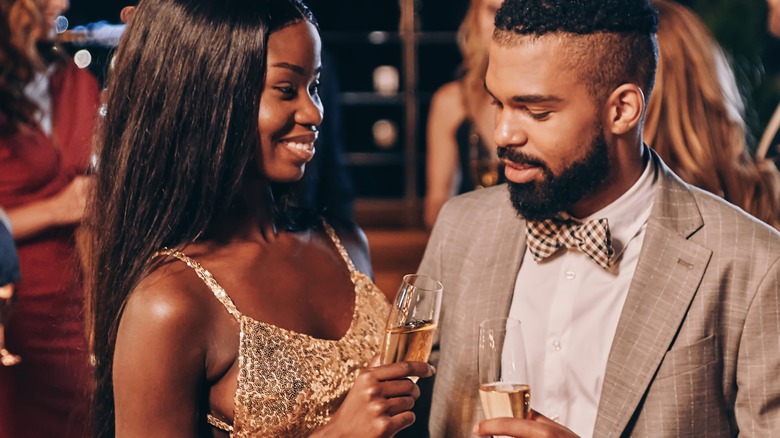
(47, 111)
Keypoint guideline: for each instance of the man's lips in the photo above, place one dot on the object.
(519, 166)
(520, 173)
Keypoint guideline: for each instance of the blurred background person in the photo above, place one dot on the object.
(461, 153)
(47, 112)
(695, 117)
(769, 146)
(9, 273)
(773, 23)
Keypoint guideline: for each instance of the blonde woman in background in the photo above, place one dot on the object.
(695, 117)
(461, 119)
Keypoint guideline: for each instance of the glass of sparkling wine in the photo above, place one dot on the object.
(503, 372)
(412, 321)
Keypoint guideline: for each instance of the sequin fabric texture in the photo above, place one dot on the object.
(289, 383)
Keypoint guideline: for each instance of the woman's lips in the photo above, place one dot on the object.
(301, 147)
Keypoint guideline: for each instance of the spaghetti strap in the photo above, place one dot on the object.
(207, 278)
(219, 424)
(343, 251)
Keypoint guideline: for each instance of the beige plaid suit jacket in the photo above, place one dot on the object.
(697, 348)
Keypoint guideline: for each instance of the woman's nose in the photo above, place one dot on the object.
(311, 113)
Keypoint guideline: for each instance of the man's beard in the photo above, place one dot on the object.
(540, 200)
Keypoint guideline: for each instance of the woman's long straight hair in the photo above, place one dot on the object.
(695, 117)
(179, 131)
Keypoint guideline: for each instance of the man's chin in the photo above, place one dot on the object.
(531, 202)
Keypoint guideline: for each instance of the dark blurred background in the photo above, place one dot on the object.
(381, 167)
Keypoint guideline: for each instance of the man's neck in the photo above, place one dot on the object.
(626, 166)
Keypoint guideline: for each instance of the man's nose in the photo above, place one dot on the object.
(508, 131)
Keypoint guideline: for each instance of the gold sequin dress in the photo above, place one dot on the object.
(289, 383)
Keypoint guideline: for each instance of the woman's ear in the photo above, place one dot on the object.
(625, 105)
(127, 14)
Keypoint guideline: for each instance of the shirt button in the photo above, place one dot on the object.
(570, 275)
(556, 346)
(556, 418)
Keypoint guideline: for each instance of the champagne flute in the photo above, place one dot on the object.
(503, 372)
(6, 358)
(412, 321)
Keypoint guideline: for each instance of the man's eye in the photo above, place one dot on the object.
(538, 116)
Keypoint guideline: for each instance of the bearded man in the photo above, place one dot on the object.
(649, 307)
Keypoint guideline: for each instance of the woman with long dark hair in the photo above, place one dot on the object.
(48, 108)
(217, 307)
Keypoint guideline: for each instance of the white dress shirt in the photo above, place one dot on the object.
(38, 91)
(569, 308)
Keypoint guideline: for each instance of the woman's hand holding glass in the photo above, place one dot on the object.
(411, 324)
(379, 403)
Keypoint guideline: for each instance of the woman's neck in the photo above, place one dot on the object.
(251, 217)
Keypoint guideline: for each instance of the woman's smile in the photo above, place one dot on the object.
(301, 146)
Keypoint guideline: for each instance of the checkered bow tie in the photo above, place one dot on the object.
(591, 237)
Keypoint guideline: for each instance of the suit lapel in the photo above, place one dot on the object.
(504, 263)
(486, 285)
(667, 276)
(498, 263)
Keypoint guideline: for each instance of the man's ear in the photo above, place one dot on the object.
(127, 14)
(625, 107)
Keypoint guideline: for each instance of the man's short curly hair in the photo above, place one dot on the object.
(539, 17)
(612, 41)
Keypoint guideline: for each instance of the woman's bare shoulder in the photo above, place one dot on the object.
(162, 347)
(170, 300)
(449, 95)
(447, 109)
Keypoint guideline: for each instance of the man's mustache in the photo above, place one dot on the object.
(515, 156)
